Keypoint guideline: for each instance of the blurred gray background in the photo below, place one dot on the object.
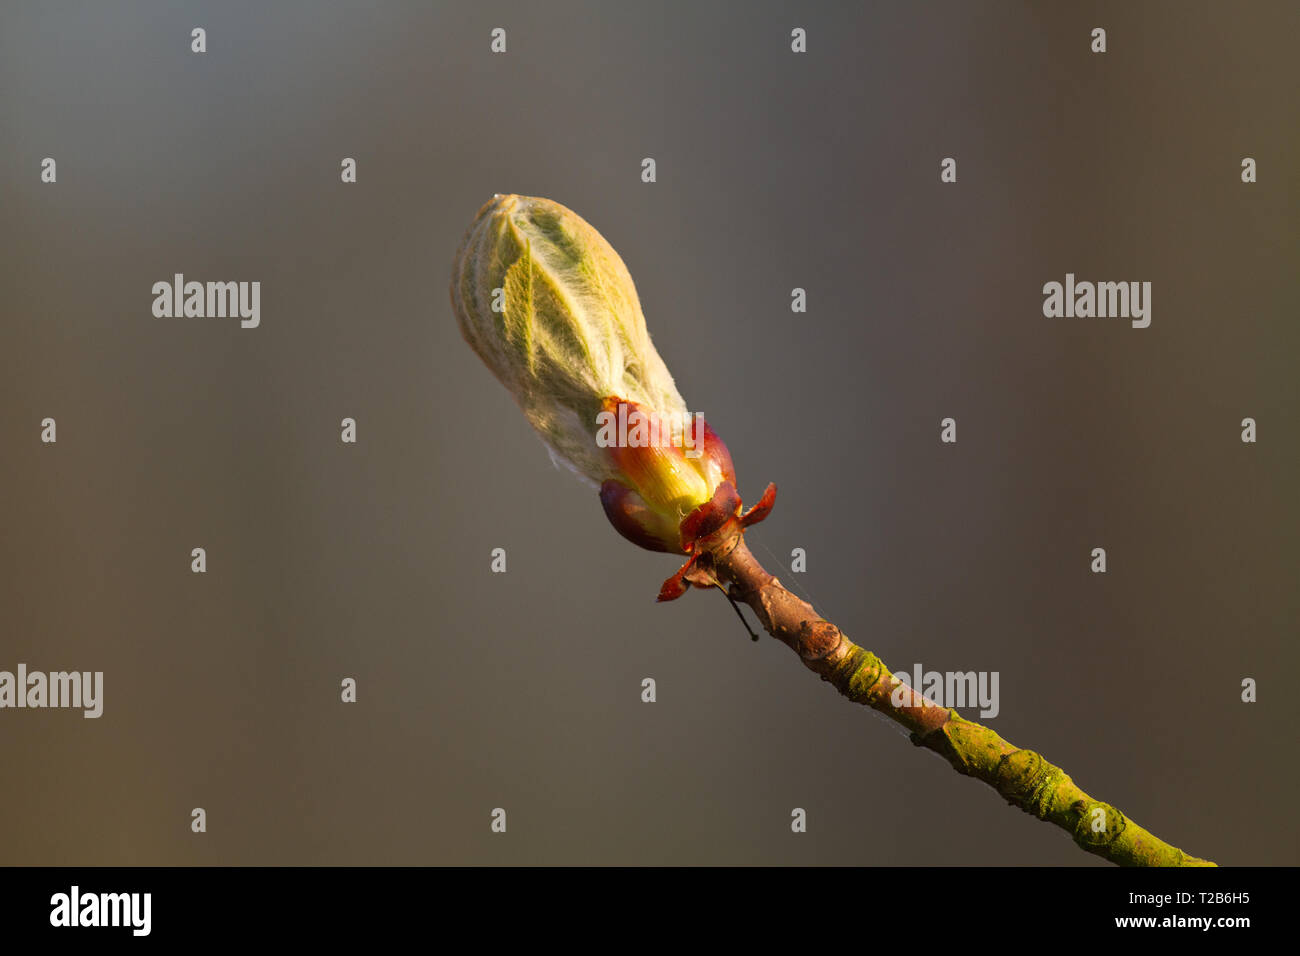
(775, 170)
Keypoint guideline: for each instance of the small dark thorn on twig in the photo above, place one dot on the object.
(736, 608)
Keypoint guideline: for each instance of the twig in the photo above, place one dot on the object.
(1023, 777)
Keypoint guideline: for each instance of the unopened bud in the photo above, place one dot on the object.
(549, 306)
(571, 332)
